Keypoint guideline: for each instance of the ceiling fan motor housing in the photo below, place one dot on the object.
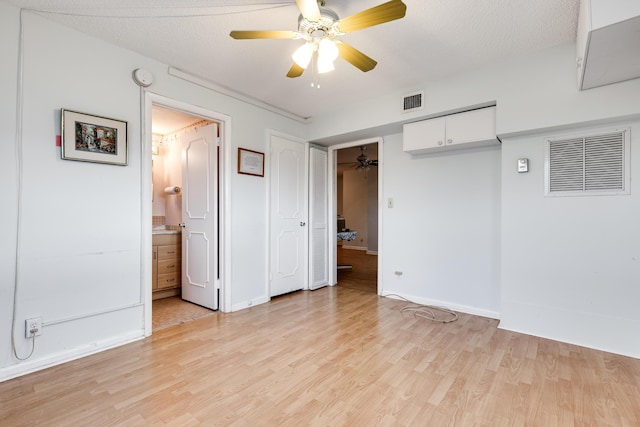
(324, 27)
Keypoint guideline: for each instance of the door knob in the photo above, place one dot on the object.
(182, 224)
(302, 223)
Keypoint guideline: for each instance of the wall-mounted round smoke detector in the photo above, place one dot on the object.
(142, 77)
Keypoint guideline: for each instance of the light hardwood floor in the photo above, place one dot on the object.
(331, 357)
(174, 310)
(363, 274)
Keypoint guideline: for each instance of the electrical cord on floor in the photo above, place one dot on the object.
(429, 312)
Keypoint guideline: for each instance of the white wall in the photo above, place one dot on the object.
(172, 177)
(355, 194)
(9, 51)
(557, 283)
(443, 232)
(158, 202)
(80, 255)
(532, 92)
(570, 265)
(81, 225)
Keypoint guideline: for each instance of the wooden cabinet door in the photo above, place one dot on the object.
(471, 126)
(424, 135)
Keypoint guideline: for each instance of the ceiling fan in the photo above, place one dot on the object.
(362, 161)
(320, 28)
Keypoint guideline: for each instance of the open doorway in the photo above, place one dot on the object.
(356, 201)
(171, 129)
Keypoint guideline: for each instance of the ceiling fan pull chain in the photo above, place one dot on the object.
(315, 76)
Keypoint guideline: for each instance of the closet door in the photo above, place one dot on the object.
(318, 219)
(288, 215)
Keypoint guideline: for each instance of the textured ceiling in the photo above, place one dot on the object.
(436, 38)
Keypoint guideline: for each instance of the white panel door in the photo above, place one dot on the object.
(288, 215)
(318, 224)
(200, 216)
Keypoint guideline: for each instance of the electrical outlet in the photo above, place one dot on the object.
(33, 327)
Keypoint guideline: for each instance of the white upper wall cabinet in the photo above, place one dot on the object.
(469, 129)
(608, 42)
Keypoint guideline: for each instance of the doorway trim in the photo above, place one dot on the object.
(332, 205)
(224, 121)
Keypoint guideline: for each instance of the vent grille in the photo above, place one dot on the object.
(588, 165)
(413, 102)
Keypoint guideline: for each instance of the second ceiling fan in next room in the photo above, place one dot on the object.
(320, 28)
(362, 162)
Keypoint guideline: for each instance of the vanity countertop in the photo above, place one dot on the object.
(163, 230)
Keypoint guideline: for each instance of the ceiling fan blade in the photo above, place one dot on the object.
(380, 14)
(295, 71)
(243, 35)
(355, 57)
(309, 9)
(373, 162)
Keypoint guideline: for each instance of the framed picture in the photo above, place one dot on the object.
(89, 138)
(250, 162)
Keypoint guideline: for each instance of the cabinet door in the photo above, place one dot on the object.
(471, 126)
(423, 135)
(154, 269)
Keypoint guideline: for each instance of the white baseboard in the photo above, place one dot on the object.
(610, 333)
(59, 358)
(452, 306)
(249, 303)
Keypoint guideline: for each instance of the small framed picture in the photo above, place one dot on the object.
(89, 138)
(250, 162)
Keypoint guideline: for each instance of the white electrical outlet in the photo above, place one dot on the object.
(33, 327)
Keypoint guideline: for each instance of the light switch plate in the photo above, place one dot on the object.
(523, 165)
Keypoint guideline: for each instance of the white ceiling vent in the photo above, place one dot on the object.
(588, 165)
(413, 102)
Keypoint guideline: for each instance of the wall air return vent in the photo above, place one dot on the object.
(588, 165)
(413, 102)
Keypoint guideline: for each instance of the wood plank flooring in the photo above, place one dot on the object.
(363, 274)
(174, 310)
(338, 357)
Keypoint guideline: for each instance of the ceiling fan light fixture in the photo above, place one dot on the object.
(324, 65)
(302, 56)
(318, 25)
(327, 49)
